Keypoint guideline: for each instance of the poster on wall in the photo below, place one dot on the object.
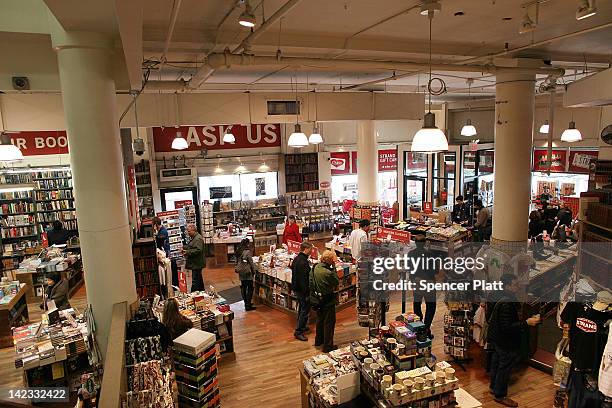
(220, 192)
(40, 143)
(339, 162)
(580, 160)
(387, 160)
(559, 160)
(260, 186)
(210, 137)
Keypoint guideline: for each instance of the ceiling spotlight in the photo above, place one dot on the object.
(429, 139)
(179, 142)
(571, 134)
(545, 127)
(430, 7)
(527, 25)
(586, 9)
(468, 129)
(228, 136)
(298, 138)
(315, 137)
(247, 18)
(8, 151)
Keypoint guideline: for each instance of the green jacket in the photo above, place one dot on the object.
(194, 253)
(324, 279)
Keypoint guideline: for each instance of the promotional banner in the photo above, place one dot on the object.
(210, 137)
(428, 207)
(396, 235)
(346, 162)
(387, 160)
(580, 160)
(559, 160)
(40, 143)
(340, 163)
(293, 246)
(182, 203)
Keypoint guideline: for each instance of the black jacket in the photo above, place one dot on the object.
(460, 213)
(536, 227)
(505, 325)
(300, 271)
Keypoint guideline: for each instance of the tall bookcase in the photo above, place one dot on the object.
(54, 198)
(144, 189)
(145, 268)
(301, 172)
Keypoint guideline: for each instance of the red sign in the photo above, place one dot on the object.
(132, 194)
(580, 160)
(314, 253)
(210, 137)
(324, 184)
(182, 203)
(40, 143)
(428, 207)
(182, 279)
(166, 213)
(293, 246)
(444, 197)
(340, 163)
(396, 235)
(354, 162)
(540, 160)
(387, 160)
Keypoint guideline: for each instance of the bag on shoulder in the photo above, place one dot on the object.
(242, 266)
(561, 368)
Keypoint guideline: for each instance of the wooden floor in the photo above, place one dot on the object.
(265, 373)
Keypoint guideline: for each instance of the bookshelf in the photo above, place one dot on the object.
(144, 189)
(145, 268)
(315, 208)
(301, 172)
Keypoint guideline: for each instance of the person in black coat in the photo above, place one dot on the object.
(57, 290)
(426, 272)
(504, 336)
(460, 214)
(57, 235)
(300, 272)
(565, 215)
(536, 225)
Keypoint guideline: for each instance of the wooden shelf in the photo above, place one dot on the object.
(597, 226)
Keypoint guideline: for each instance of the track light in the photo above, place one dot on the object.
(8, 151)
(315, 137)
(247, 18)
(179, 142)
(545, 127)
(298, 138)
(571, 134)
(586, 9)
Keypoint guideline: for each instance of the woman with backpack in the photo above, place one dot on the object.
(245, 270)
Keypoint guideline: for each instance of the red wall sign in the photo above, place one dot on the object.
(540, 160)
(387, 160)
(40, 143)
(324, 184)
(210, 137)
(182, 203)
(580, 160)
(396, 235)
(293, 246)
(428, 207)
(340, 163)
(346, 162)
(354, 162)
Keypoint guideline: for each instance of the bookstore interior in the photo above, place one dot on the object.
(256, 210)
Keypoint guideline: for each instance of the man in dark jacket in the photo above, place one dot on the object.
(460, 214)
(300, 271)
(194, 257)
(57, 290)
(426, 271)
(504, 336)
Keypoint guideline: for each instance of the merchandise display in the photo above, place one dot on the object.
(13, 309)
(314, 210)
(175, 224)
(149, 277)
(225, 242)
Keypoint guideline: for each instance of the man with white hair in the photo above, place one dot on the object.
(194, 257)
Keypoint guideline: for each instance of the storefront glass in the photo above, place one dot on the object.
(560, 184)
(344, 187)
(444, 179)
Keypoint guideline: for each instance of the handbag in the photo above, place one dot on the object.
(562, 366)
(243, 267)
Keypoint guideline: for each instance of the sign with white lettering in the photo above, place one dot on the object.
(40, 143)
(210, 137)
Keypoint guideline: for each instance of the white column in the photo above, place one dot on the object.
(88, 94)
(514, 104)
(367, 168)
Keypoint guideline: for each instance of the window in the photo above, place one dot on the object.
(248, 186)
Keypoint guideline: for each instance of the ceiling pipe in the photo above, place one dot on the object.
(173, 86)
(378, 81)
(206, 70)
(173, 17)
(227, 60)
(536, 44)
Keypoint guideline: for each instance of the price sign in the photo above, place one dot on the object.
(314, 253)
(428, 207)
(395, 235)
(293, 246)
(182, 203)
(182, 278)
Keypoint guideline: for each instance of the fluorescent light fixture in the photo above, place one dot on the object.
(179, 142)
(8, 151)
(586, 9)
(228, 136)
(571, 134)
(429, 139)
(15, 188)
(315, 137)
(298, 138)
(545, 127)
(247, 18)
(468, 129)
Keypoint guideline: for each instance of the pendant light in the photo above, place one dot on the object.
(8, 151)
(468, 129)
(315, 138)
(571, 134)
(545, 127)
(179, 142)
(247, 18)
(429, 139)
(240, 168)
(228, 136)
(218, 169)
(263, 167)
(297, 139)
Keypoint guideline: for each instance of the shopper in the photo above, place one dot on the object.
(58, 235)
(358, 237)
(426, 271)
(565, 216)
(536, 225)
(545, 197)
(323, 283)
(292, 231)
(245, 268)
(162, 240)
(504, 337)
(300, 275)
(57, 291)
(175, 322)
(483, 223)
(194, 257)
(460, 214)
